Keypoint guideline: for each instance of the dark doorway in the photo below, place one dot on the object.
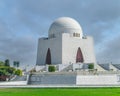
(79, 56)
(48, 57)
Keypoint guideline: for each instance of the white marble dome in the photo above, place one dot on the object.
(65, 25)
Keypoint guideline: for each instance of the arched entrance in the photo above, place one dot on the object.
(48, 57)
(79, 56)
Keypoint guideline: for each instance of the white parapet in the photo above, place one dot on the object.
(98, 79)
(13, 83)
(63, 66)
(113, 68)
(39, 68)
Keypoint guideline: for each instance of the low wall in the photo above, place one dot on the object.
(77, 78)
(98, 79)
(69, 78)
(13, 83)
(55, 79)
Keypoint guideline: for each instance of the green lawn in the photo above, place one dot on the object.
(60, 92)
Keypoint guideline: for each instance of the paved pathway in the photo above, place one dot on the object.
(58, 86)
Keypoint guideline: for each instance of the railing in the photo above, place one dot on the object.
(55, 73)
(97, 72)
(78, 73)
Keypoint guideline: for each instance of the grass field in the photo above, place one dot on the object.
(60, 92)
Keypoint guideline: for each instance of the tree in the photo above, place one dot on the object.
(7, 62)
(51, 68)
(16, 64)
(11, 70)
(2, 63)
(3, 72)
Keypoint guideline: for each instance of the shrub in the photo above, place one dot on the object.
(51, 68)
(91, 66)
(33, 70)
(18, 72)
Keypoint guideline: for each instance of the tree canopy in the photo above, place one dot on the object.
(7, 62)
(2, 63)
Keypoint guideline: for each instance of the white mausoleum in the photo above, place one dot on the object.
(70, 52)
(65, 44)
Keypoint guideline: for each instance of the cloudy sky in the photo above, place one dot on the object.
(22, 22)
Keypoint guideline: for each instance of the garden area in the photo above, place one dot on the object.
(60, 92)
(7, 72)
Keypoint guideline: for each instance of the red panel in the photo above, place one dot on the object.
(48, 57)
(79, 56)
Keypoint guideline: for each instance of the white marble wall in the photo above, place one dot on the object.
(70, 46)
(64, 49)
(13, 83)
(55, 47)
(98, 80)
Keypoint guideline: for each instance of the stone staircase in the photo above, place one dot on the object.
(43, 69)
(68, 68)
(116, 66)
(57, 67)
(19, 78)
(105, 66)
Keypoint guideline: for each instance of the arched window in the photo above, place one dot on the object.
(48, 57)
(79, 56)
(74, 34)
(78, 35)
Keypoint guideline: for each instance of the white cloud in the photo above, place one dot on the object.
(23, 21)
